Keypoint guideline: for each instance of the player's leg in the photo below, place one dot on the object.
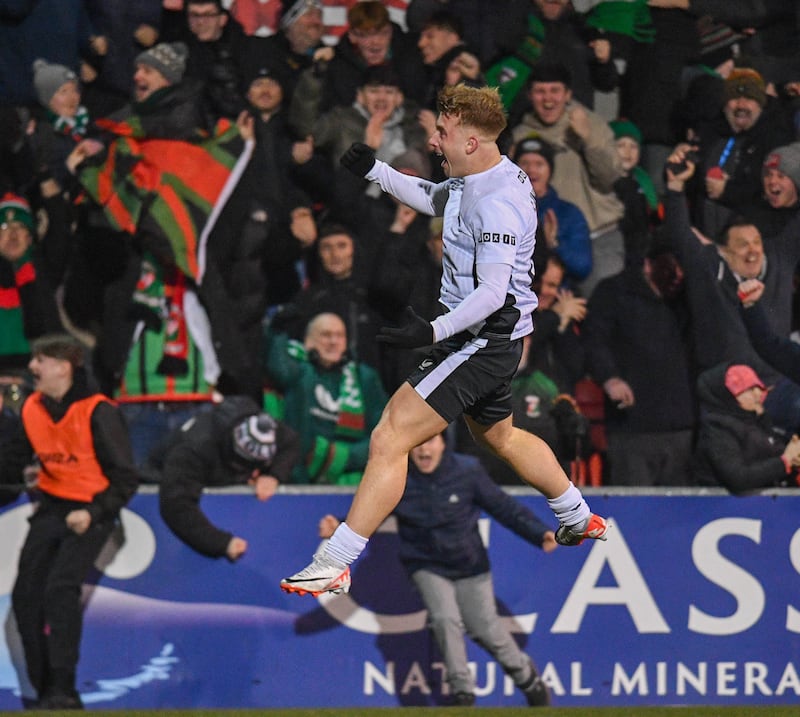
(406, 422)
(535, 463)
(529, 456)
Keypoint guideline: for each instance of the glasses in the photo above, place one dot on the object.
(197, 16)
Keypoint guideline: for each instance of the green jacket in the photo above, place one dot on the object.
(332, 453)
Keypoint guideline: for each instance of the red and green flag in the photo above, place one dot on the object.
(168, 188)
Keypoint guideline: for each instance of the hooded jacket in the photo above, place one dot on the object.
(584, 172)
(437, 517)
(199, 455)
(736, 449)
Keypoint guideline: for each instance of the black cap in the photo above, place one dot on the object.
(550, 72)
(535, 145)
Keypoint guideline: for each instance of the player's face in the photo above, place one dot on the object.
(779, 189)
(427, 456)
(450, 141)
(628, 152)
(744, 251)
(549, 100)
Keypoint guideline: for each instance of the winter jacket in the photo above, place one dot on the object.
(437, 518)
(574, 243)
(28, 288)
(623, 316)
(741, 156)
(584, 172)
(335, 84)
(737, 449)
(218, 65)
(337, 129)
(565, 41)
(651, 86)
(780, 352)
(311, 404)
(200, 455)
(718, 331)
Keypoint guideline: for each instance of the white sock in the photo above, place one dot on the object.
(570, 507)
(345, 545)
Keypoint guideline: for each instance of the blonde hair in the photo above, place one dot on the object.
(478, 107)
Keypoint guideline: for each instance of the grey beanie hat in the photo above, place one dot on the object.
(786, 159)
(48, 78)
(255, 440)
(169, 58)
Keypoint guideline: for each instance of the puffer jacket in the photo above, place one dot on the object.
(736, 449)
(437, 517)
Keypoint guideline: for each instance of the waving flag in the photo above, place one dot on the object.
(168, 188)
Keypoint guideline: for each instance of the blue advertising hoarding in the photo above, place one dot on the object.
(694, 599)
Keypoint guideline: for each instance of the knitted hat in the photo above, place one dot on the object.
(169, 58)
(534, 145)
(625, 128)
(739, 378)
(14, 208)
(786, 159)
(47, 79)
(294, 11)
(254, 440)
(256, 73)
(744, 82)
(718, 42)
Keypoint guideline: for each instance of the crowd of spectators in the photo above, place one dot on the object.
(171, 195)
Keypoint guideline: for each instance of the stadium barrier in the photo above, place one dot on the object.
(694, 599)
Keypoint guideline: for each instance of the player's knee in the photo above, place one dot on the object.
(384, 439)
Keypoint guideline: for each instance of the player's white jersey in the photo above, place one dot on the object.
(489, 218)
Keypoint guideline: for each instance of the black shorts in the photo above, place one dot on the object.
(468, 374)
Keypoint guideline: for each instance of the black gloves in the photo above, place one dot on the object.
(415, 332)
(359, 159)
